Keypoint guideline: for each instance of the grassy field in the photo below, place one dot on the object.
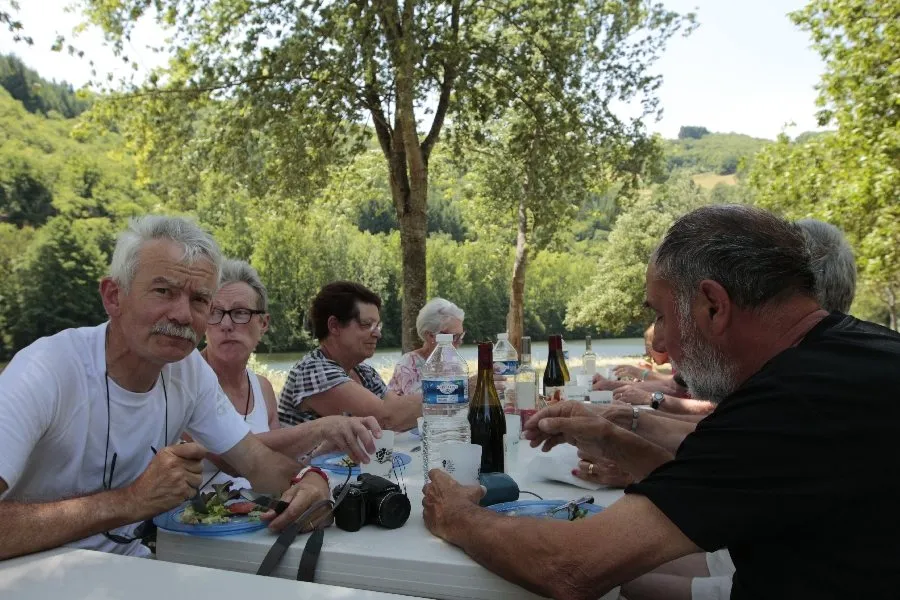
(711, 180)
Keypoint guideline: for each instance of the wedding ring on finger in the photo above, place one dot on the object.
(590, 468)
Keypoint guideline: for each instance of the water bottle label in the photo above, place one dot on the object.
(506, 367)
(445, 391)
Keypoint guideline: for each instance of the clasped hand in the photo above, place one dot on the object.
(568, 422)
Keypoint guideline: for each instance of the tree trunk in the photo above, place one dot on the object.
(409, 190)
(891, 299)
(515, 318)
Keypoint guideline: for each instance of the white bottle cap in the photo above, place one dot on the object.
(502, 336)
(444, 338)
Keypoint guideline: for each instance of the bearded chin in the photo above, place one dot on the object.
(706, 370)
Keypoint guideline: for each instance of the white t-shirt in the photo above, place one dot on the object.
(257, 421)
(53, 422)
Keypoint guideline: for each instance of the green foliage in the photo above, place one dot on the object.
(38, 95)
(614, 298)
(692, 132)
(721, 153)
(849, 176)
(57, 279)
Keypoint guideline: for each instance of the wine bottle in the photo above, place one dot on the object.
(562, 358)
(526, 383)
(554, 376)
(486, 418)
(588, 359)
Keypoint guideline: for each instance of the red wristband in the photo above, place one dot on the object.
(299, 476)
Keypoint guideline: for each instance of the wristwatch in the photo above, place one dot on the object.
(656, 398)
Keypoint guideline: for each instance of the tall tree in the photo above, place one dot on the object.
(291, 79)
(849, 176)
(558, 143)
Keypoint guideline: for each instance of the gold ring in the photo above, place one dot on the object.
(590, 468)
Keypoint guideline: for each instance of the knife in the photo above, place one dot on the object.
(266, 502)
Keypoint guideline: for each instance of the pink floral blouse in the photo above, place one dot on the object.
(407, 378)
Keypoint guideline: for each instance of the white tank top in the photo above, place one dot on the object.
(258, 420)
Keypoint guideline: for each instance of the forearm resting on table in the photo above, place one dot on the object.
(400, 412)
(633, 453)
(267, 470)
(665, 432)
(32, 527)
(540, 555)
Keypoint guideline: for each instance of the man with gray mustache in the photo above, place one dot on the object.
(91, 418)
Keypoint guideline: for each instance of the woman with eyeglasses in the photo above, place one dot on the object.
(438, 316)
(237, 320)
(333, 379)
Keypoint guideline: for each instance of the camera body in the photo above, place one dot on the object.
(371, 499)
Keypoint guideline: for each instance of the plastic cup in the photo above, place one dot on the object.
(611, 373)
(420, 423)
(461, 461)
(382, 462)
(600, 397)
(584, 381)
(511, 441)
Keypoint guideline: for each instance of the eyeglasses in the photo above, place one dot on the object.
(239, 316)
(457, 337)
(372, 326)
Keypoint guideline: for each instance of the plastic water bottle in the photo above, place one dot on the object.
(506, 364)
(445, 396)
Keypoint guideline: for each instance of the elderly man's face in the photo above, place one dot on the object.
(165, 311)
(709, 373)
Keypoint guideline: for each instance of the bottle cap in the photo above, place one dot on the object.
(502, 336)
(444, 338)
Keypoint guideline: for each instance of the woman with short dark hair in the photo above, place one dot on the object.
(333, 379)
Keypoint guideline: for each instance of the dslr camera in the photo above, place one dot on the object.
(371, 499)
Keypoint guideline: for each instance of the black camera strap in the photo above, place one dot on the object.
(306, 571)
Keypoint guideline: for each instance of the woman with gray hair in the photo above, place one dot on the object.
(438, 316)
(237, 320)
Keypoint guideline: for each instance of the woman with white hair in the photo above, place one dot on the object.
(438, 316)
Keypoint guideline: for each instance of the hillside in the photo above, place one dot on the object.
(716, 153)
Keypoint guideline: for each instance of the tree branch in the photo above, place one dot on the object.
(451, 67)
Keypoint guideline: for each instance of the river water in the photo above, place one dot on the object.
(386, 358)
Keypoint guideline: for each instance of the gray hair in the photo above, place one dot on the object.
(832, 263)
(240, 271)
(435, 314)
(142, 230)
(756, 256)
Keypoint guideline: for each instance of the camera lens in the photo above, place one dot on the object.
(393, 510)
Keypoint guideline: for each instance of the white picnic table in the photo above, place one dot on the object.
(74, 574)
(408, 560)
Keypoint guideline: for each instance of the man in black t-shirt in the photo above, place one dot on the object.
(795, 471)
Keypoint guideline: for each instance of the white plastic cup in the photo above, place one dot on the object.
(611, 373)
(382, 462)
(461, 461)
(511, 442)
(584, 381)
(420, 424)
(600, 397)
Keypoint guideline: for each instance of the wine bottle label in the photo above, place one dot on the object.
(526, 395)
(445, 391)
(555, 394)
(506, 367)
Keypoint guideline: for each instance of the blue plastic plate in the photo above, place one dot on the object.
(332, 462)
(535, 508)
(239, 524)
